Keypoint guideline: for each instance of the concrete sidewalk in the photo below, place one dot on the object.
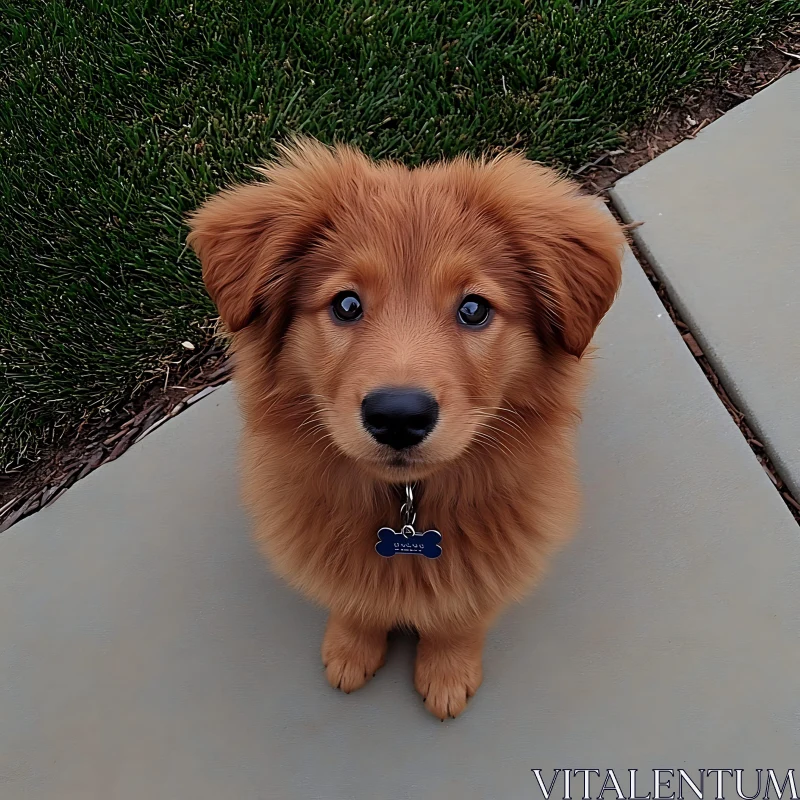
(147, 653)
(721, 227)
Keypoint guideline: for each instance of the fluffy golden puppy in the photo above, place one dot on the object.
(400, 327)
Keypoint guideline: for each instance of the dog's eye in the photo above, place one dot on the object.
(346, 307)
(474, 310)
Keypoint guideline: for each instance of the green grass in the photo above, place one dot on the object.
(116, 118)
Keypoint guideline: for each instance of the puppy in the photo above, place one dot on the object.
(413, 331)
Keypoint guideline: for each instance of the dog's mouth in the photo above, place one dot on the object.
(401, 461)
(409, 463)
(405, 465)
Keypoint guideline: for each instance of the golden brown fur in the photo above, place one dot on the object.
(497, 474)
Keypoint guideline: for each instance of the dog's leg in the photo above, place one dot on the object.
(448, 670)
(351, 652)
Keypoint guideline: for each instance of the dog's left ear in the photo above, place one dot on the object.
(578, 273)
(569, 246)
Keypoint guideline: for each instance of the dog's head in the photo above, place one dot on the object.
(409, 306)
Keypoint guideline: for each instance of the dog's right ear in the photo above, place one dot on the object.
(243, 248)
(249, 238)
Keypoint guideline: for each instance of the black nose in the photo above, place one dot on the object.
(399, 417)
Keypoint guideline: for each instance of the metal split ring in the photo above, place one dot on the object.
(407, 511)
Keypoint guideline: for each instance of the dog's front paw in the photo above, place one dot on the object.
(351, 655)
(447, 676)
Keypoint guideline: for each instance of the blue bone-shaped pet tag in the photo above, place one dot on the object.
(392, 542)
